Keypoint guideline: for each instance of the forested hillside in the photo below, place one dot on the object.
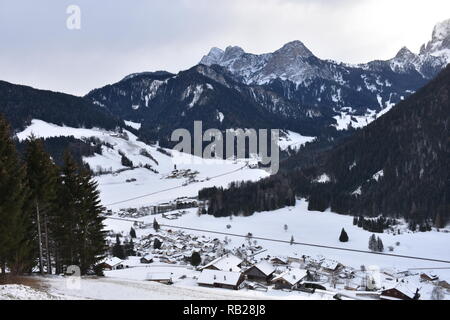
(397, 166)
(20, 104)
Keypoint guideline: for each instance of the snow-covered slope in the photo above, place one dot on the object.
(154, 169)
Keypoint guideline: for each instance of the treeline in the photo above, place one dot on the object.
(244, 198)
(20, 104)
(377, 225)
(78, 149)
(50, 215)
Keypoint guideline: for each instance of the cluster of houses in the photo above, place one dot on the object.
(159, 208)
(244, 267)
(233, 272)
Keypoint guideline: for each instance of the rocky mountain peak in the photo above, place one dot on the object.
(405, 53)
(295, 48)
(213, 57)
(441, 31)
(440, 41)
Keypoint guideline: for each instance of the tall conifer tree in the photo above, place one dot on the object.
(14, 247)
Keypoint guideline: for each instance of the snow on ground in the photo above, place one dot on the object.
(134, 125)
(21, 292)
(316, 228)
(294, 140)
(345, 120)
(123, 287)
(303, 225)
(114, 186)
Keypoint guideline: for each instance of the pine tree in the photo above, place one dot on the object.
(157, 244)
(343, 237)
(91, 234)
(79, 225)
(132, 233)
(118, 250)
(41, 178)
(373, 243)
(155, 224)
(292, 240)
(14, 244)
(65, 227)
(380, 246)
(195, 259)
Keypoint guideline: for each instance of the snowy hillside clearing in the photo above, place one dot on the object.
(121, 183)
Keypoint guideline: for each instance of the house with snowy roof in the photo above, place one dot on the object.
(401, 291)
(262, 271)
(147, 259)
(221, 279)
(228, 262)
(290, 279)
(279, 261)
(428, 276)
(113, 263)
(330, 266)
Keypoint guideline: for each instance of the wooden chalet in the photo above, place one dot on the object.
(147, 259)
(165, 278)
(113, 263)
(279, 261)
(228, 262)
(400, 292)
(290, 279)
(262, 271)
(221, 279)
(426, 276)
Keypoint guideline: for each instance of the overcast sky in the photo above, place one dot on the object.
(121, 37)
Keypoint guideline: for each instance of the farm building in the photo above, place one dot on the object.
(330, 266)
(113, 263)
(295, 260)
(426, 276)
(401, 291)
(221, 279)
(262, 271)
(165, 278)
(279, 261)
(228, 262)
(290, 279)
(444, 284)
(147, 259)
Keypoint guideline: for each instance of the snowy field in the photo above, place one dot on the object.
(121, 287)
(315, 228)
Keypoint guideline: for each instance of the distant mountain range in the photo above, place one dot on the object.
(288, 89)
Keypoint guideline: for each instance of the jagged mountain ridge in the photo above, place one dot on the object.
(288, 89)
(376, 85)
(165, 102)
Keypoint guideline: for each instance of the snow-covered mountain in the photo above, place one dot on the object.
(296, 73)
(163, 102)
(289, 89)
(439, 46)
